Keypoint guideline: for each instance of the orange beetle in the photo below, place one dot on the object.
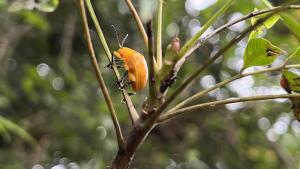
(136, 65)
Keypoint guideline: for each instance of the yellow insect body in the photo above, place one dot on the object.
(136, 65)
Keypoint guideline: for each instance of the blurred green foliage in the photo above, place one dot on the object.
(48, 87)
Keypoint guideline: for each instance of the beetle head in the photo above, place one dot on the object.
(123, 52)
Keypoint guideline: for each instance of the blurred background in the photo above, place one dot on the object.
(49, 89)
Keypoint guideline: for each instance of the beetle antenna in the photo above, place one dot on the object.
(116, 32)
(124, 40)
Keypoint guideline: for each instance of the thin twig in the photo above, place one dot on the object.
(99, 75)
(131, 109)
(248, 16)
(202, 68)
(172, 75)
(158, 63)
(138, 21)
(225, 82)
(205, 65)
(223, 102)
(186, 47)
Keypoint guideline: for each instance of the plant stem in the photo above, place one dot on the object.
(223, 102)
(225, 82)
(173, 73)
(248, 16)
(131, 109)
(195, 38)
(158, 64)
(152, 82)
(99, 75)
(138, 21)
(205, 65)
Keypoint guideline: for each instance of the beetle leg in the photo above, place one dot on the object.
(114, 61)
(120, 67)
(121, 83)
(130, 94)
(109, 66)
(123, 101)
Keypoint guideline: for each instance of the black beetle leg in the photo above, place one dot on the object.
(114, 61)
(130, 94)
(121, 83)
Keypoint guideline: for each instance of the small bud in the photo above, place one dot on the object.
(175, 44)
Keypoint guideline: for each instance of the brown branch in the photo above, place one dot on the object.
(175, 113)
(99, 75)
(138, 21)
(152, 82)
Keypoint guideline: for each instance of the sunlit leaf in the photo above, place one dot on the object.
(293, 80)
(254, 34)
(260, 52)
(16, 129)
(288, 20)
(47, 5)
(270, 22)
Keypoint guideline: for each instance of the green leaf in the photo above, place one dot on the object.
(254, 34)
(269, 23)
(288, 20)
(292, 24)
(47, 5)
(293, 80)
(260, 52)
(16, 129)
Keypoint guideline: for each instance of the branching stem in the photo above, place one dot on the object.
(132, 111)
(225, 82)
(99, 75)
(188, 81)
(188, 52)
